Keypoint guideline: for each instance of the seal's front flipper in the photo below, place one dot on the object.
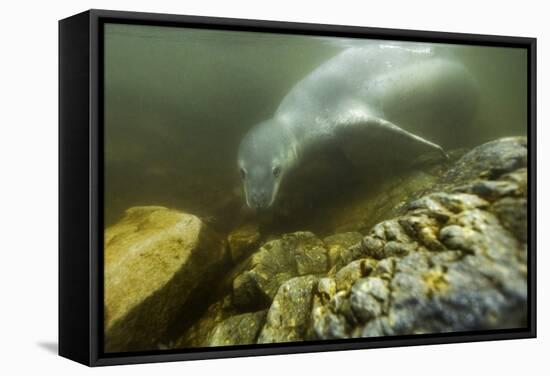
(373, 140)
(394, 131)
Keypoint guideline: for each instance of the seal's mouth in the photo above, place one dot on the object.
(258, 201)
(260, 198)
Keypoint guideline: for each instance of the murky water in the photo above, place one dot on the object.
(178, 101)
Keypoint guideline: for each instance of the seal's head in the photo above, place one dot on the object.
(265, 155)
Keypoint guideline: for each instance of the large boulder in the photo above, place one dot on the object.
(156, 261)
(453, 260)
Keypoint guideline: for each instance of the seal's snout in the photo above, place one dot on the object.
(259, 200)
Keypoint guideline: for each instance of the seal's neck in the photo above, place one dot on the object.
(291, 148)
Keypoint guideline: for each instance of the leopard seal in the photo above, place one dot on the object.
(362, 96)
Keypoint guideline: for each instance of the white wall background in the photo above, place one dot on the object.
(28, 184)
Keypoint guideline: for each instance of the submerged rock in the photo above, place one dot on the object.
(274, 263)
(257, 285)
(288, 319)
(340, 250)
(197, 335)
(457, 257)
(240, 329)
(369, 298)
(353, 271)
(243, 240)
(380, 198)
(489, 161)
(155, 261)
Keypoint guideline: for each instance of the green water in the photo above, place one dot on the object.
(178, 101)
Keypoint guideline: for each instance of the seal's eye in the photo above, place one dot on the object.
(276, 171)
(243, 173)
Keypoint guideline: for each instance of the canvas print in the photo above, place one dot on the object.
(265, 188)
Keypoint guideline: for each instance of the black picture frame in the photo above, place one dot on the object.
(81, 185)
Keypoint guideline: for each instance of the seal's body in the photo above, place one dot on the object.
(355, 98)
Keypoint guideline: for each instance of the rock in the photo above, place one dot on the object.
(289, 317)
(329, 324)
(243, 240)
(326, 288)
(353, 271)
(452, 260)
(274, 263)
(340, 251)
(251, 286)
(197, 334)
(310, 253)
(373, 247)
(394, 248)
(380, 201)
(489, 161)
(512, 213)
(156, 260)
(369, 298)
(385, 268)
(423, 228)
(237, 330)
(252, 291)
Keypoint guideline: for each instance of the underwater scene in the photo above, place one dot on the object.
(266, 188)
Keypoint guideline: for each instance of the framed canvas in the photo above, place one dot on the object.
(235, 187)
